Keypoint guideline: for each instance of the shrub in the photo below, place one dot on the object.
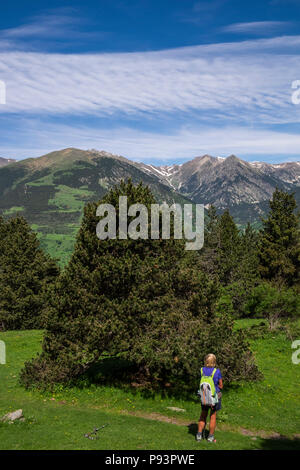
(144, 299)
(267, 301)
(279, 247)
(25, 275)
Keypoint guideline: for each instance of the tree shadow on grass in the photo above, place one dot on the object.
(121, 373)
(275, 443)
(111, 371)
(280, 443)
(193, 429)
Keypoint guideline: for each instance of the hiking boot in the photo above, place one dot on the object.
(199, 436)
(211, 438)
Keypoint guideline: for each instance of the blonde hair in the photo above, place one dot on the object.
(210, 360)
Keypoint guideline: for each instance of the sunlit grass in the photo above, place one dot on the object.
(58, 420)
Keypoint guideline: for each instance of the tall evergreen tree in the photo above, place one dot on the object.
(249, 254)
(229, 248)
(145, 299)
(230, 258)
(279, 249)
(245, 275)
(209, 254)
(95, 304)
(25, 273)
(221, 253)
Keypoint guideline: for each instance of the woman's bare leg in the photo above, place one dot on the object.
(202, 421)
(213, 422)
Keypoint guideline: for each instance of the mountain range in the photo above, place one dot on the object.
(50, 191)
(230, 183)
(6, 161)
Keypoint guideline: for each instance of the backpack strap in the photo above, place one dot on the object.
(213, 373)
(201, 371)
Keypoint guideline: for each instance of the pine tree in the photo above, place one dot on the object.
(229, 248)
(25, 274)
(146, 300)
(101, 300)
(221, 253)
(279, 249)
(245, 276)
(209, 254)
(249, 254)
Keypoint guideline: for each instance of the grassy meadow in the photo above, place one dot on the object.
(260, 415)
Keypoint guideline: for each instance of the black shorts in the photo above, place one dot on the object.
(217, 407)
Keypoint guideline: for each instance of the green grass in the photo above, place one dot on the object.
(58, 245)
(13, 210)
(70, 199)
(251, 413)
(273, 403)
(248, 322)
(46, 180)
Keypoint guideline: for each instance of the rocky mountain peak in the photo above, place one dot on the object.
(6, 161)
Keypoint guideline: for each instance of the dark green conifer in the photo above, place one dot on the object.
(209, 254)
(229, 248)
(245, 275)
(25, 274)
(279, 249)
(146, 300)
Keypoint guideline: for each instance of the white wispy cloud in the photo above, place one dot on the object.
(257, 27)
(183, 144)
(242, 81)
(49, 27)
(43, 25)
(225, 86)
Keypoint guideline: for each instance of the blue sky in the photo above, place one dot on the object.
(156, 81)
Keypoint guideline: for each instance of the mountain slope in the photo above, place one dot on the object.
(6, 161)
(51, 191)
(243, 187)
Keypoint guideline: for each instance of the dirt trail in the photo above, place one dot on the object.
(221, 426)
